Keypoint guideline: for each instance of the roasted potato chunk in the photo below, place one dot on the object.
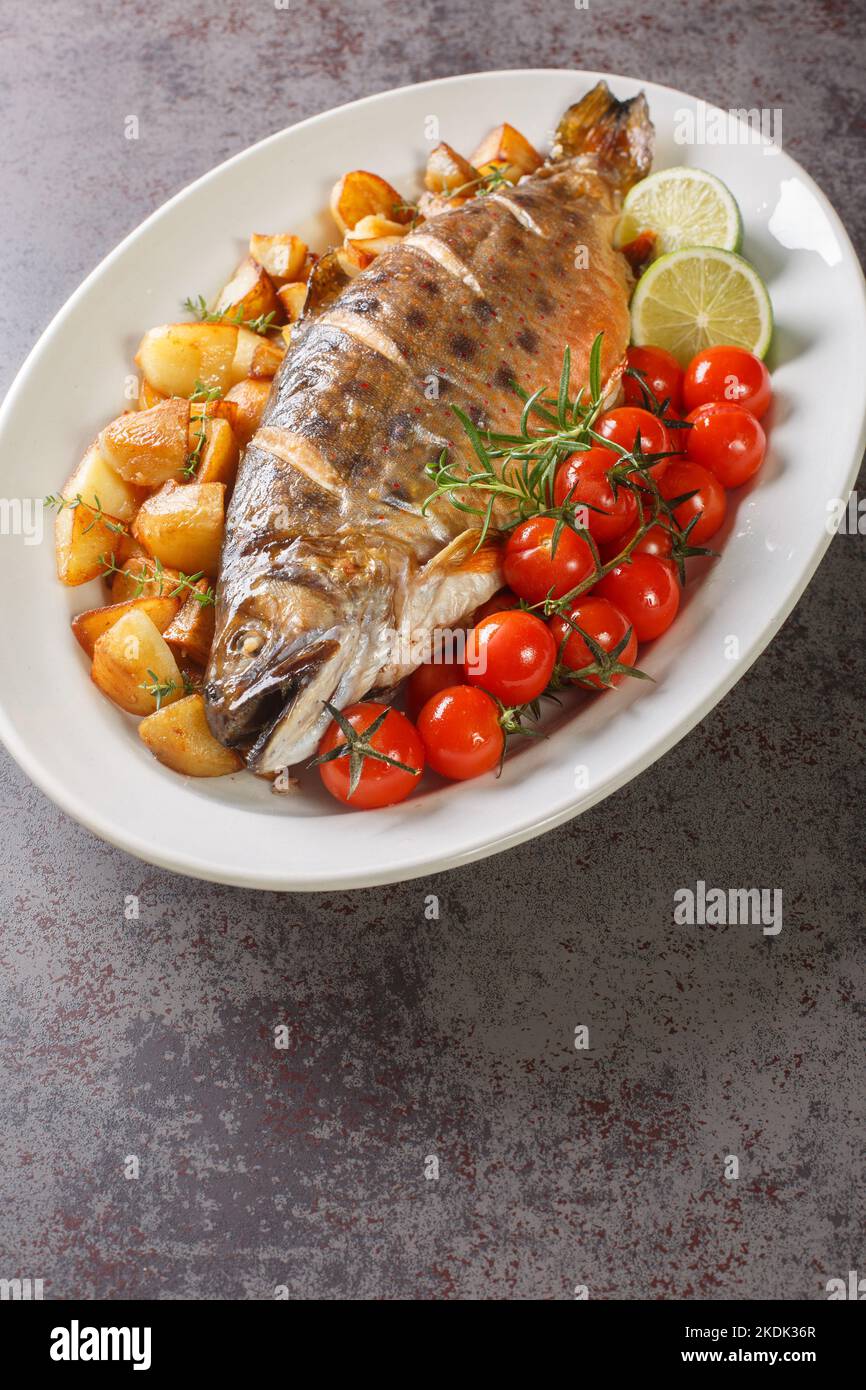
(447, 171)
(507, 146)
(190, 630)
(361, 194)
(249, 398)
(282, 257)
(88, 627)
(219, 453)
(147, 447)
(97, 484)
(249, 294)
(176, 356)
(148, 395)
(134, 667)
(83, 538)
(182, 525)
(293, 298)
(139, 575)
(180, 738)
(373, 235)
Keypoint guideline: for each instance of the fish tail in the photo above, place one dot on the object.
(619, 133)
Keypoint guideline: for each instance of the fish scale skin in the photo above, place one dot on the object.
(375, 423)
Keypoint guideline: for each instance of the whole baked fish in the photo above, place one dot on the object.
(328, 555)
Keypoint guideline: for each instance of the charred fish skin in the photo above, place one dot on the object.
(327, 549)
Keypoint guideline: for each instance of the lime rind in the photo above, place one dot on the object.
(700, 297)
(682, 207)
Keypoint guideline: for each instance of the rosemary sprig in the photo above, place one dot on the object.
(182, 584)
(197, 306)
(61, 503)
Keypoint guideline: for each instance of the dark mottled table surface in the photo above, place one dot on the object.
(309, 1167)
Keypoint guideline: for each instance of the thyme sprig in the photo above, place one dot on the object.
(484, 184)
(197, 306)
(160, 690)
(61, 503)
(201, 394)
(181, 585)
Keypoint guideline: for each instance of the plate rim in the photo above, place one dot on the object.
(67, 797)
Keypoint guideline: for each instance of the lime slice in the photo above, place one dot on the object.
(684, 207)
(698, 298)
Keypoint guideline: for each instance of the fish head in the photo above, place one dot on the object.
(269, 639)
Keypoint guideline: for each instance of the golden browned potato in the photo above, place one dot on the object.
(97, 484)
(249, 294)
(83, 537)
(447, 171)
(373, 235)
(148, 395)
(141, 576)
(182, 525)
(218, 455)
(360, 194)
(249, 398)
(147, 447)
(255, 356)
(177, 356)
(283, 256)
(506, 146)
(134, 667)
(89, 626)
(191, 629)
(293, 298)
(180, 738)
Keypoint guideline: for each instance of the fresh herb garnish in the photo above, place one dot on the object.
(160, 690)
(264, 324)
(180, 584)
(55, 499)
(203, 394)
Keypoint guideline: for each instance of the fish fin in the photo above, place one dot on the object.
(619, 133)
(464, 555)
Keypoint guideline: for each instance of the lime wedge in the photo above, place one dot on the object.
(689, 300)
(683, 207)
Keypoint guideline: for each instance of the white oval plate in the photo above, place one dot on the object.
(86, 754)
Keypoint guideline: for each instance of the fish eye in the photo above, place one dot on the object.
(246, 642)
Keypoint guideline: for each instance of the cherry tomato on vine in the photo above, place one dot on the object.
(656, 541)
(582, 480)
(427, 680)
(730, 375)
(533, 568)
(372, 734)
(709, 503)
(728, 440)
(461, 732)
(511, 656)
(628, 423)
(647, 591)
(603, 622)
(661, 372)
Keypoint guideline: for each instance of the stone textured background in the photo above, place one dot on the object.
(452, 1038)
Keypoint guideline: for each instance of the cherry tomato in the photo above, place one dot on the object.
(627, 423)
(662, 373)
(656, 541)
(708, 503)
(381, 784)
(728, 374)
(461, 732)
(647, 591)
(727, 440)
(582, 479)
(511, 656)
(428, 680)
(605, 624)
(497, 604)
(533, 569)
